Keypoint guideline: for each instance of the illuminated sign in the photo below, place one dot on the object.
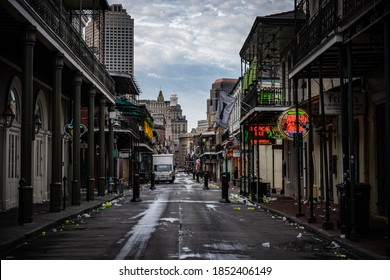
(288, 126)
(260, 134)
(229, 153)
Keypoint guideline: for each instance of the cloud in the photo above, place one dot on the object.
(183, 46)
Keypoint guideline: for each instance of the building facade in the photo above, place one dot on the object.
(60, 108)
(44, 92)
(118, 36)
(169, 114)
(212, 153)
(317, 79)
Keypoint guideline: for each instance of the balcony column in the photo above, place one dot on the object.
(56, 143)
(352, 159)
(327, 224)
(110, 148)
(312, 218)
(244, 158)
(241, 158)
(387, 116)
(25, 184)
(76, 138)
(298, 149)
(102, 156)
(252, 189)
(91, 143)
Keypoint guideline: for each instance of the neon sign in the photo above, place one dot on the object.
(68, 129)
(260, 134)
(288, 126)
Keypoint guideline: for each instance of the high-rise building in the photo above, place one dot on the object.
(118, 29)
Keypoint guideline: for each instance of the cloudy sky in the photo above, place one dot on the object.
(183, 46)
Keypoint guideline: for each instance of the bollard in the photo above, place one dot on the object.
(25, 201)
(65, 180)
(193, 175)
(206, 181)
(136, 189)
(197, 177)
(152, 182)
(110, 185)
(55, 197)
(120, 186)
(91, 189)
(116, 181)
(225, 190)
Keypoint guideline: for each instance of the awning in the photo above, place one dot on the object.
(127, 108)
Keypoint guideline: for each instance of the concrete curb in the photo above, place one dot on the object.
(36, 232)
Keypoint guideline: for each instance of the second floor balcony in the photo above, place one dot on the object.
(64, 20)
(320, 47)
(259, 96)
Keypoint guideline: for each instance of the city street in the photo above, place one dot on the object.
(178, 221)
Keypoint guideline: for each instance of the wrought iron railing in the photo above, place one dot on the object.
(264, 97)
(225, 135)
(350, 7)
(208, 148)
(55, 18)
(317, 28)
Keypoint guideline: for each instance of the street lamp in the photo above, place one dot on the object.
(7, 117)
(37, 123)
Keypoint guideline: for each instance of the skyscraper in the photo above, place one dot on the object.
(118, 31)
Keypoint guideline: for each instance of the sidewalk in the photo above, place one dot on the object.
(368, 246)
(371, 245)
(12, 234)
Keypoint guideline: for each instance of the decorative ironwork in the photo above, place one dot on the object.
(265, 97)
(61, 23)
(350, 7)
(316, 29)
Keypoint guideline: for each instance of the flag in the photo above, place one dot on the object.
(225, 107)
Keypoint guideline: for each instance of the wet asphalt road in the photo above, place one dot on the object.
(178, 221)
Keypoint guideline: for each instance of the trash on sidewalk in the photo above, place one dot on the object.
(332, 246)
(266, 245)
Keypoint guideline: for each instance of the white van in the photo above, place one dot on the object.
(164, 168)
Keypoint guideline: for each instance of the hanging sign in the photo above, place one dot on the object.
(68, 129)
(332, 103)
(288, 126)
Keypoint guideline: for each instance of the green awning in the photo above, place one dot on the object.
(127, 108)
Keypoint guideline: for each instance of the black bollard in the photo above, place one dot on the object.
(225, 190)
(26, 202)
(206, 181)
(197, 177)
(136, 189)
(193, 175)
(152, 182)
